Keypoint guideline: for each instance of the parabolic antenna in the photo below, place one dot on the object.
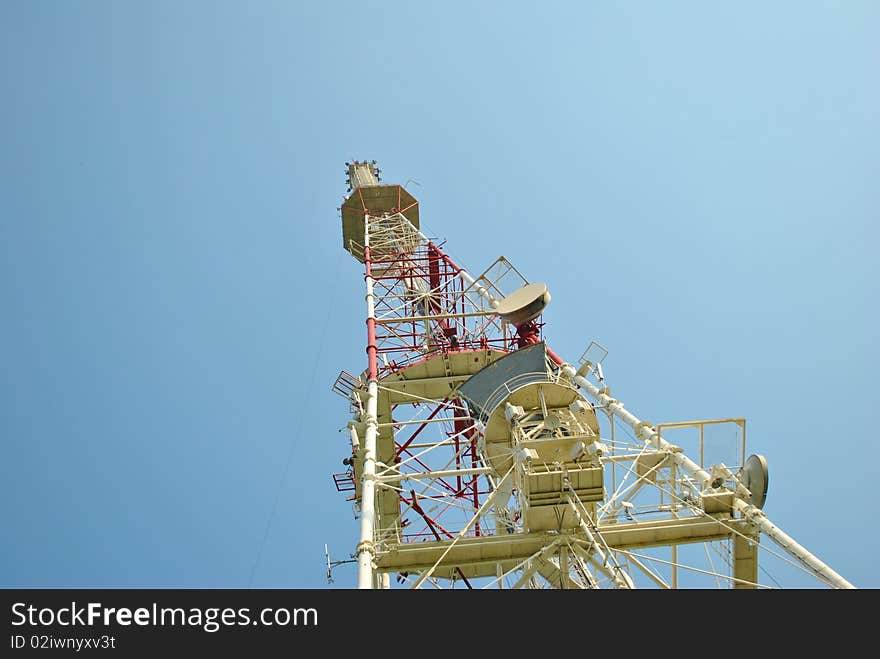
(755, 477)
(524, 303)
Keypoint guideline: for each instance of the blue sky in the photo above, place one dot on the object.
(696, 182)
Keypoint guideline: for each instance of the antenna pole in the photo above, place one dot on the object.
(365, 549)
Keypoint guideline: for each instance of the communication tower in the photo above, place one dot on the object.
(478, 457)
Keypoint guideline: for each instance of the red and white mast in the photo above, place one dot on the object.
(477, 455)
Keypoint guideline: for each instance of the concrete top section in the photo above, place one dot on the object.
(374, 200)
(362, 174)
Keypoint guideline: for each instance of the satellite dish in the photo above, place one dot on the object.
(524, 303)
(755, 477)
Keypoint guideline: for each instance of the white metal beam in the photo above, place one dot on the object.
(646, 432)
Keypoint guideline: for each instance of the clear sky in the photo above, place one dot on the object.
(696, 182)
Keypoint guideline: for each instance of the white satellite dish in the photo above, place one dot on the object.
(524, 304)
(755, 477)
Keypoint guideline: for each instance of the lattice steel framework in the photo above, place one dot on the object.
(479, 457)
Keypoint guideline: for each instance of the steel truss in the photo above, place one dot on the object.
(444, 503)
